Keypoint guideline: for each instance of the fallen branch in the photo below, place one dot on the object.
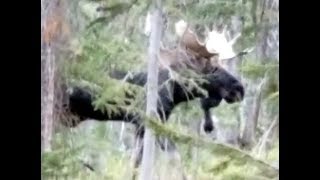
(216, 148)
(263, 142)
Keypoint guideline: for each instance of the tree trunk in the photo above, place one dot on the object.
(152, 94)
(262, 146)
(47, 99)
(267, 32)
(122, 143)
(47, 80)
(249, 132)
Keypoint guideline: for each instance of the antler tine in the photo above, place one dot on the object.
(206, 32)
(224, 30)
(249, 50)
(147, 26)
(213, 27)
(181, 27)
(242, 53)
(235, 38)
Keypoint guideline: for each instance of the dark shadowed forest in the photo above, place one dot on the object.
(137, 89)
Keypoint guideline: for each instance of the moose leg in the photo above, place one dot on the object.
(138, 150)
(208, 122)
(206, 105)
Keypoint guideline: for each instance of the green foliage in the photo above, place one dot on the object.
(56, 163)
(97, 58)
(62, 161)
(254, 69)
(85, 145)
(207, 12)
(273, 154)
(231, 162)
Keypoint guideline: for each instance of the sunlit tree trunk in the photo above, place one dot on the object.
(54, 33)
(152, 93)
(47, 100)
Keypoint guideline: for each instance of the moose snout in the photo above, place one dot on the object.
(236, 94)
(239, 91)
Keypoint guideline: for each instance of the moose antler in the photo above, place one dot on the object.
(234, 40)
(178, 59)
(217, 42)
(191, 42)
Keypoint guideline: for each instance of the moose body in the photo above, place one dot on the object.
(219, 85)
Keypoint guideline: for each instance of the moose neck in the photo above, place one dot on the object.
(177, 93)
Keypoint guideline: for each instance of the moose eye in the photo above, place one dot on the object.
(233, 81)
(239, 89)
(214, 69)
